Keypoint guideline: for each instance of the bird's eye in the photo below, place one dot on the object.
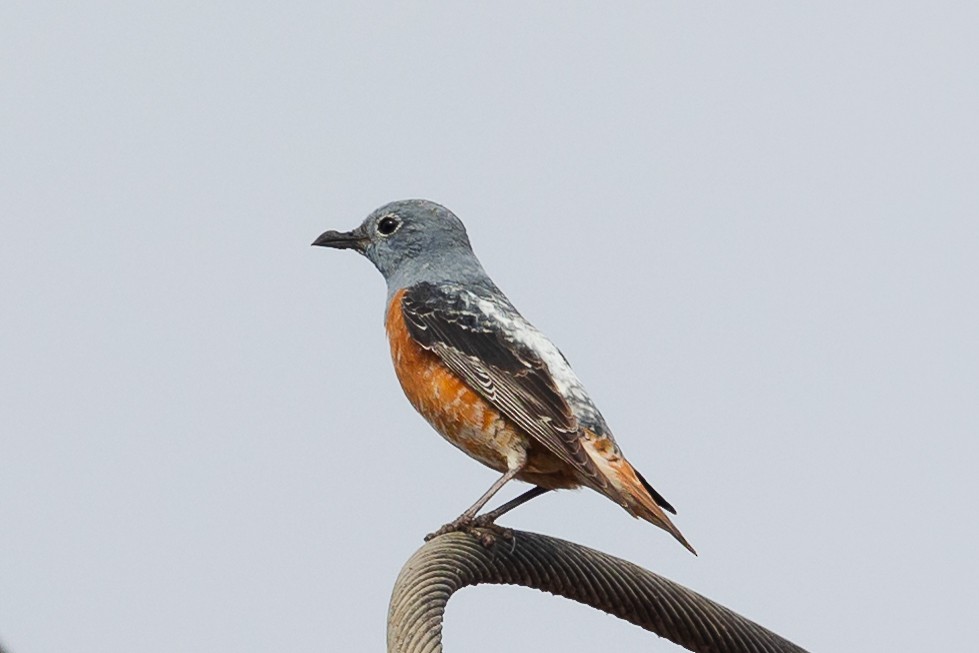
(388, 225)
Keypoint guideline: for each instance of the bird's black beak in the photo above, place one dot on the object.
(355, 239)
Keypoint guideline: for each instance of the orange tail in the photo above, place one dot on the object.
(629, 488)
(638, 498)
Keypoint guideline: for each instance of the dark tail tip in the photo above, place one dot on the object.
(686, 544)
(658, 498)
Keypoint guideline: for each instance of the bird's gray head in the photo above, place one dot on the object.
(411, 241)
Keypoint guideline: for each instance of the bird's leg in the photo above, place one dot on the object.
(465, 520)
(493, 515)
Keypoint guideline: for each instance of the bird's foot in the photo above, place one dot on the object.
(482, 528)
(459, 524)
(486, 531)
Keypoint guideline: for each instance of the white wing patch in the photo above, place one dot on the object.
(522, 331)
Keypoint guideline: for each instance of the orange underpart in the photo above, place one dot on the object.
(455, 410)
(461, 415)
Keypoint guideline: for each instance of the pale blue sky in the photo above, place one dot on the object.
(752, 228)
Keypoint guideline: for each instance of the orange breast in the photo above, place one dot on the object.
(456, 411)
(460, 414)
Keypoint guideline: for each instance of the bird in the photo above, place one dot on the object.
(484, 377)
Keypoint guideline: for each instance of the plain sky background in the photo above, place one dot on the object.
(753, 228)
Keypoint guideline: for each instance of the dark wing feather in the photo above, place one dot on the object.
(507, 373)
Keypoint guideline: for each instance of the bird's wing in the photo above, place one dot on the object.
(508, 373)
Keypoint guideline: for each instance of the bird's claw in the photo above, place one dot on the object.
(481, 528)
(460, 524)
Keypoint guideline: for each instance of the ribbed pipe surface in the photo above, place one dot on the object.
(639, 596)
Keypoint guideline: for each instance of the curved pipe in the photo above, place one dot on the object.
(639, 596)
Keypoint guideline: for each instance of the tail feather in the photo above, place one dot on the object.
(641, 501)
(641, 504)
(657, 497)
(635, 495)
(629, 488)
